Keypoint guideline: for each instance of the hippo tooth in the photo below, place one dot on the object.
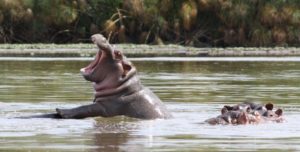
(82, 70)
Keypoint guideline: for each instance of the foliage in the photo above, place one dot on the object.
(198, 23)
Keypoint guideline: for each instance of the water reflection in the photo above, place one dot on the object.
(110, 141)
(112, 134)
(192, 90)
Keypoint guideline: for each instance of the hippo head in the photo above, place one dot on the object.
(254, 117)
(239, 107)
(273, 114)
(270, 113)
(109, 69)
(240, 118)
(235, 117)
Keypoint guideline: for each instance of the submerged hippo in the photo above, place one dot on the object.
(264, 110)
(118, 90)
(237, 117)
(247, 113)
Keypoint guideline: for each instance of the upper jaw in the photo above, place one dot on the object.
(102, 44)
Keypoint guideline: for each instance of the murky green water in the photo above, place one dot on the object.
(194, 89)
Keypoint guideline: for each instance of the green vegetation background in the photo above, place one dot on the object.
(199, 23)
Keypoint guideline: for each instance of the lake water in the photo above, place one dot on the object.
(194, 89)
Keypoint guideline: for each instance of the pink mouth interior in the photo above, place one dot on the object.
(88, 69)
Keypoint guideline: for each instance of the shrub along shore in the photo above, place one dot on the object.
(198, 23)
(133, 50)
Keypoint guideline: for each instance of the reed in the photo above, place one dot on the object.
(189, 14)
(279, 35)
(260, 36)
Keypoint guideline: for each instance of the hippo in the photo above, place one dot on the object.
(118, 90)
(264, 110)
(229, 117)
(247, 113)
(235, 117)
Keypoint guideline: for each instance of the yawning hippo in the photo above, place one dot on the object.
(118, 90)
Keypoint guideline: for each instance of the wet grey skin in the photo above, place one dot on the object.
(264, 110)
(118, 90)
(229, 117)
(247, 113)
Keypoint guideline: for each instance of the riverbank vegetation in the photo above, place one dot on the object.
(200, 23)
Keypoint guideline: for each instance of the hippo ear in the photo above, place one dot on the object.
(279, 112)
(229, 108)
(224, 110)
(269, 106)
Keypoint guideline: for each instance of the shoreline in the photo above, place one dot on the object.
(133, 50)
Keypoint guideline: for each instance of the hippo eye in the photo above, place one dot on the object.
(248, 109)
(118, 55)
(271, 115)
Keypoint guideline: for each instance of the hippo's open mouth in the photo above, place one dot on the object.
(90, 68)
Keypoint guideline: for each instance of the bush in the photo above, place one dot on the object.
(198, 23)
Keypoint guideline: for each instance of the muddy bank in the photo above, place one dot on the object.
(88, 50)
